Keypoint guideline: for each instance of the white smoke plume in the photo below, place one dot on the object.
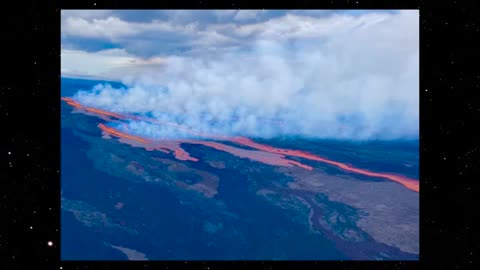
(357, 83)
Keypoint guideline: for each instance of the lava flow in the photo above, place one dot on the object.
(275, 156)
(119, 134)
(77, 105)
(181, 154)
(125, 116)
(163, 146)
(407, 182)
(261, 156)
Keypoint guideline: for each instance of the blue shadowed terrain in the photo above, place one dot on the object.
(121, 202)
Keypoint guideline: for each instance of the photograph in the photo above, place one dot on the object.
(239, 135)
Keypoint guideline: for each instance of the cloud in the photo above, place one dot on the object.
(243, 15)
(338, 76)
(149, 33)
(114, 28)
(111, 64)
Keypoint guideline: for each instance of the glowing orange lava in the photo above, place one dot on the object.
(407, 182)
(100, 113)
(276, 156)
(119, 134)
(175, 147)
(260, 156)
(163, 146)
(77, 105)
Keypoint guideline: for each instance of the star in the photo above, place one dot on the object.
(50, 243)
(9, 153)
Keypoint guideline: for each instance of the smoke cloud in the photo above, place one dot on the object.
(357, 83)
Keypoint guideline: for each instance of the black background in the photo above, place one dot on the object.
(30, 151)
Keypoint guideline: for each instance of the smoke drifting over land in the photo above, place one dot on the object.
(356, 83)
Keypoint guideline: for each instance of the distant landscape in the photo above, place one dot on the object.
(226, 206)
(239, 135)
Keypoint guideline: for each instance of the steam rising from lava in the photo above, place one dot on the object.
(267, 154)
(356, 85)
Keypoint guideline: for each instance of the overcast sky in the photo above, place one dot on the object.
(318, 71)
